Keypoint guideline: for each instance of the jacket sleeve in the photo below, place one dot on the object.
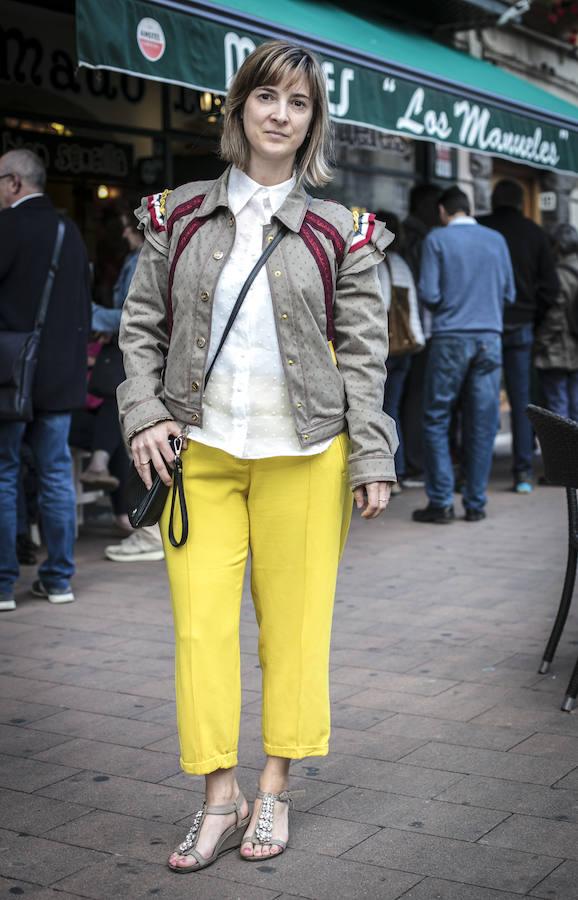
(429, 288)
(361, 344)
(547, 278)
(144, 333)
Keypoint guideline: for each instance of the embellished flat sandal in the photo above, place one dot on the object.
(263, 833)
(231, 839)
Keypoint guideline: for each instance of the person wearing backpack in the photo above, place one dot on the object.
(556, 344)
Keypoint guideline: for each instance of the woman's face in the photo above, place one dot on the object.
(276, 119)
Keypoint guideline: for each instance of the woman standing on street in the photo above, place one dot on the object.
(293, 408)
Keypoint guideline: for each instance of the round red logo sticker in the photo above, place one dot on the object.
(151, 39)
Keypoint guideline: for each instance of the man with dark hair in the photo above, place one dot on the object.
(536, 290)
(466, 276)
(28, 226)
(423, 216)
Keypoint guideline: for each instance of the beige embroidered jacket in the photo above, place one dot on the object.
(324, 287)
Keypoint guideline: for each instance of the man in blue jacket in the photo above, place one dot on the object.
(466, 277)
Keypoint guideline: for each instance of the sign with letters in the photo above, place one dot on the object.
(204, 53)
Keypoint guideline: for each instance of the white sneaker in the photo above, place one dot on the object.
(7, 602)
(61, 596)
(143, 544)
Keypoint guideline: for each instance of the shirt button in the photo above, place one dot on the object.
(218, 254)
(201, 342)
(299, 405)
(305, 437)
(284, 316)
(231, 222)
(277, 273)
(290, 362)
(195, 386)
(195, 417)
(204, 296)
(270, 238)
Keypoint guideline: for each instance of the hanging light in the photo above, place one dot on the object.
(206, 101)
(102, 192)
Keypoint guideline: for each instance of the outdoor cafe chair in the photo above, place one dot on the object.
(558, 439)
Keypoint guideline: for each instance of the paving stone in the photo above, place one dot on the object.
(116, 730)
(10, 888)
(28, 775)
(17, 687)
(536, 836)
(132, 879)
(438, 889)
(19, 741)
(560, 885)
(41, 861)
(552, 722)
(423, 816)
(109, 703)
(330, 836)
(113, 833)
(379, 775)
(386, 681)
(376, 746)
(550, 746)
(318, 877)
(459, 704)
(450, 732)
(19, 712)
(492, 867)
(155, 802)
(113, 759)
(569, 782)
(528, 799)
(21, 812)
(475, 761)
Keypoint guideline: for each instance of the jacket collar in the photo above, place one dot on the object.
(291, 213)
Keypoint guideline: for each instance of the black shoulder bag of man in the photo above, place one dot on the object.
(146, 506)
(19, 351)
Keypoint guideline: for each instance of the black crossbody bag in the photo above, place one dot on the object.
(19, 351)
(146, 506)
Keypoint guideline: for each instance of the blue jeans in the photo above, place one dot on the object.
(466, 366)
(47, 436)
(517, 359)
(397, 371)
(560, 391)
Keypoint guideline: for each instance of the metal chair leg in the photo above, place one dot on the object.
(569, 582)
(571, 691)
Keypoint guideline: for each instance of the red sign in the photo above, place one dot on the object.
(151, 39)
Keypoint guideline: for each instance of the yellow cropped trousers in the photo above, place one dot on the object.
(293, 514)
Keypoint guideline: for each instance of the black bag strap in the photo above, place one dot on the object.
(244, 291)
(49, 283)
(178, 489)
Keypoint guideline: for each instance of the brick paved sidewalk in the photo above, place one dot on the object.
(453, 776)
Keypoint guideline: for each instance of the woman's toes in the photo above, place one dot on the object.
(247, 850)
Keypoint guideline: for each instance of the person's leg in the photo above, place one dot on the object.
(446, 368)
(572, 382)
(517, 362)
(11, 434)
(206, 582)
(397, 372)
(412, 412)
(480, 419)
(48, 438)
(555, 389)
(299, 510)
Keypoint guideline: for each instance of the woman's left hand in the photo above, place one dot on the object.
(372, 498)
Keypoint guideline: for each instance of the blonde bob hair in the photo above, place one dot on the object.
(271, 64)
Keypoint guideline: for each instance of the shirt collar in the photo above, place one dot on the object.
(24, 199)
(463, 220)
(291, 213)
(242, 188)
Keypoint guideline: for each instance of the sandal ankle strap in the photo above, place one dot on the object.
(282, 796)
(225, 809)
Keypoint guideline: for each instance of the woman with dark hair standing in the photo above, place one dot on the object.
(292, 413)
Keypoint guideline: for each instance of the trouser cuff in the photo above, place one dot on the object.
(205, 766)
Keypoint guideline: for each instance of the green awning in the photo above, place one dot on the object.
(378, 76)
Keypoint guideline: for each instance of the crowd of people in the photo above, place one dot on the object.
(468, 300)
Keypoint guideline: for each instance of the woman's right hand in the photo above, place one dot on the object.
(152, 445)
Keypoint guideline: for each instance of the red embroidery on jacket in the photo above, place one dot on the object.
(189, 230)
(152, 205)
(365, 233)
(320, 256)
(183, 209)
(329, 231)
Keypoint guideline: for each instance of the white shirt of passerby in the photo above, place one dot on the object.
(246, 407)
(24, 199)
(402, 277)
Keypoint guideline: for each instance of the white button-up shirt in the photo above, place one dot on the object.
(246, 407)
